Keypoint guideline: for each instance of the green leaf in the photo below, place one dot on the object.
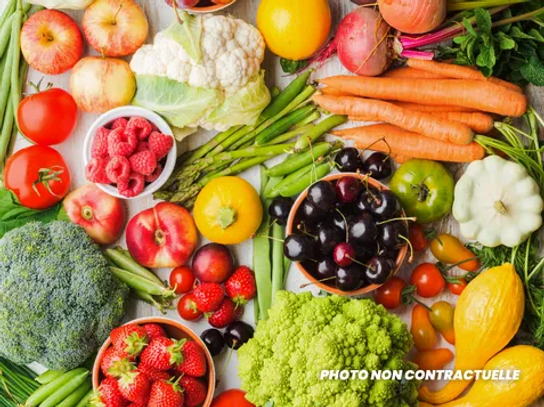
(505, 42)
(516, 32)
(486, 58)
(187, 33)
(536, 35)
(533, 71)
(269, 403)
(292, 67)
(483, 20)
(468, 26)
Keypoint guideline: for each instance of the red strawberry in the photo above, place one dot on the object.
(241, 286)
(108, 395)
(115, 363)
(224, 316)
(135, 386)
(194, 391)
(130, 339)
(137, 405)
(163, 353)
(153, 331)
(153, 374)
(208, 296)
(166, 394)
(194, 360)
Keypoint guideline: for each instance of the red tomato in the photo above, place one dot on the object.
(183, 279)
(48, 117)
(390, 294)
(428, 280)
(38, 176)
(417, 237)
(231, 398)
(459, 287)
(187, 308)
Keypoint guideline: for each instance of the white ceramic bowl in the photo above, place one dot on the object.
(129, 111)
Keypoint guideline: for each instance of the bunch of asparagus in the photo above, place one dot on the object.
(290, 115)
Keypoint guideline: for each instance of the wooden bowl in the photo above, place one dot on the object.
(208, 9)
(306, 273)
(174, 329)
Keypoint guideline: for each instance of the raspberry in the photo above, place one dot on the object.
(121, 143)
(143, 162)
(96, 171)
(118, 169)
(120, 123)
(160, 144)
(131, 186)
(100, 143)
(156, 174)
(141, 146)
(138, 126)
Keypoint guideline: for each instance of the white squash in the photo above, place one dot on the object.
(497, 202)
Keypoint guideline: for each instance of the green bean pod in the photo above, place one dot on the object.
(71, 386)
(48, 389)
(284, 124)
(123, 260)
(5, 34)
(85, 401)
(15, 88)
(318, 130)
(286, 96)
(48, 376)
(73, 399)
(274, 192)
(300, 160)
(296, 187)
(142, 284)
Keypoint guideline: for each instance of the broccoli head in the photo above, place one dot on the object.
(58, 298)
(305, 335)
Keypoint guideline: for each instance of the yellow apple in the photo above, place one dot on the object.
(99, 84)
(115, 27)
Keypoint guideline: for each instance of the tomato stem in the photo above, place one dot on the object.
(46, 176)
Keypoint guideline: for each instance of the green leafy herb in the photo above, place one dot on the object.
(14, 215)
(292, 67)
(511, 47)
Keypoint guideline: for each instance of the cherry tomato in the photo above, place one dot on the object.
(417, 237)
(231, 398)
(48, 117)
(187, 308)
(434, 359)
(459, 287)
(428, 280)
(183, 279)
(390, 294)
(441, 317)
(422, 329)
(449, 250)
(38, 176)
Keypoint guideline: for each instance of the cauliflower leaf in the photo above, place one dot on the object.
(187, 33)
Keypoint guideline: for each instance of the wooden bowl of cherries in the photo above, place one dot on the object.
(201, 6)
(347, 233)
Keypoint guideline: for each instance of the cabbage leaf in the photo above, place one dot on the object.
(187, 33)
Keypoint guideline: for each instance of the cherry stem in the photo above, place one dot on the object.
(254, 235)
(318, 281)
(359, 263)
(227, 361)
(411, 258)
(345, 222)
(304, 231)
(383, 222)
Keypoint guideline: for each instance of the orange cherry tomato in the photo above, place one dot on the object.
(428, 280)
(458, 287)
(422, 329)
(417, 237)
(183, 279)
(231, 398)
(390, 294)
(449, 250)
(441, 317)
(38, 176)
(434, 359)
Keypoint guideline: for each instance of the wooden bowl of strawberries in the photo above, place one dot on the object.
(149, 360)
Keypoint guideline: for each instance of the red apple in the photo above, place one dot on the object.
(100, 214)
(213, 263)
(115, 27)
(163, 236)
(51, 42)
(101, 84)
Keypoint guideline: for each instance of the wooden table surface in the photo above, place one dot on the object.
(160, 16)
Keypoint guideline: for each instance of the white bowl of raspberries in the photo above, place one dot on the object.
(129, 152)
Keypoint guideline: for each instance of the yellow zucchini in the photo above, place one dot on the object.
(487, 316)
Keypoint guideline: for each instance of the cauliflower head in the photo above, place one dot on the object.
(217, 58)
(58, 298)
(305, 335)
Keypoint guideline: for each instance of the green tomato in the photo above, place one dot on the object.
(425, 189)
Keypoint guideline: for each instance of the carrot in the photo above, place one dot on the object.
(329, 90)
(388, 138)
(376, 110)
(412, 73)
(400, 159)
(478, 95)
(434, 359)
(479, 122)
(432, 108)
(458, 72)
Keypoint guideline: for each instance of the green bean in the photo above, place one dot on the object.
(309, 120)
(142, 284)
(286, 96)
(275, 192)
(302, 160)
(74, 398)
(321, 128)
(8, 11)
(252, 151)
(290, 134)
(278, 234)
(84, 402)
(5, 34)
(48, 389)
(296, 187)
(5, 84)
(6, 134)
(48, 376)
(286, 266)
(284, 124)
(15, 88)
(274, 181)
(122, 259)
(158, 302)
(66, 390)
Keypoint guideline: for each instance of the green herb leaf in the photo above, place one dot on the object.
(187, 33)
(505, 42)
(483, 20)
(533, 71)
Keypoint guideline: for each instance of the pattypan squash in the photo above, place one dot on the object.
(497, 203)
